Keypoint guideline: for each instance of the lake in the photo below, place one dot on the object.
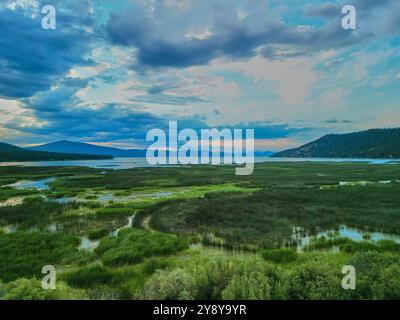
(129, 163)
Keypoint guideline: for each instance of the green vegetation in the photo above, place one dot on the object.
(374, 143)
(98, 234)
(33, 212)
(8, 192)
(23, 254)
(280, 255)
(31, 289)
(133, 245)
(90, 277)
(9, 152)
(201, 232)
(267, 217)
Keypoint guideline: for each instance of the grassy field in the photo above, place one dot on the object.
(200, 232)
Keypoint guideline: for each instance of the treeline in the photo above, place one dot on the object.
(10, 153)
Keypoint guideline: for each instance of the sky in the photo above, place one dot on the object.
(113, 70)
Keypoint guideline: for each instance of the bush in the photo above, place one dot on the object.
(388, 286)
(24, 289)
(212, 277)
(170, 285)
(154, 264)
(249, 286)
(280, 255)
(31, 289)
(314, 282)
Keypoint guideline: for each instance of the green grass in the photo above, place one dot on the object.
(33, 212)
(23, 254)
(132, 246)
(8, 192)
(267, 217)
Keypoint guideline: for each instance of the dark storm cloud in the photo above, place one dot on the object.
(63, 115)
(235, 38)
(271, 130)
(238, 43)
(32, 59)
(326, 10)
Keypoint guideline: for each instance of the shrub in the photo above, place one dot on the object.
(388, 286)
(24, 289)
(314, 282)
(31, 289)
(152, 265)
(170, 285)
(249, 286)
(212, 277)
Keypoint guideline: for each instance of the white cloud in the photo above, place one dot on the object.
(291, 79)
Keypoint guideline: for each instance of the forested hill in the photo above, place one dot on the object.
(10, 153)
(374, 143)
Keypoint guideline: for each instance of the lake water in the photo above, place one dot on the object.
(128, 163)
(345, 232)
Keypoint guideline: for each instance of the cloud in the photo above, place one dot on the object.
(292, 80)
(32, 59)
(326, 10)
(270, 130)
(159, 33)
(109, 77)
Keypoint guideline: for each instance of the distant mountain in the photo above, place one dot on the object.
(374, 143)
(87, 148)
(10, 153)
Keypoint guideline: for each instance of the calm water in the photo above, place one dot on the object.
(345, 232)
(128, 163)
(28, 184)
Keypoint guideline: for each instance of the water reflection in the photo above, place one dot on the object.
(28, 184)
(302, 239)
